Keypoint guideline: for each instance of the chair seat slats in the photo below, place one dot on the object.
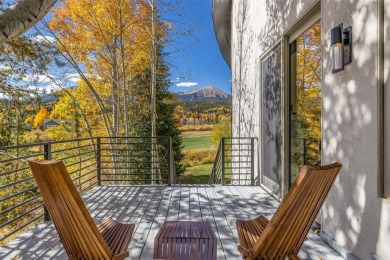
(117, 235)
(249, 232)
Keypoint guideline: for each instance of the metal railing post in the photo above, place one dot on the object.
(46, 156)
(170, 163)
(223, 159)
(252, 161)
(304, 151)
(47, 151)
(214, 171)
(98, 161)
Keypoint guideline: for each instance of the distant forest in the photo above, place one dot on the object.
(203, 113)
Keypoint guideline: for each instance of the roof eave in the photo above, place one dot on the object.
(221, 13)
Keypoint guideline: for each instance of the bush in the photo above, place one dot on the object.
(222, 129)
(196, 157)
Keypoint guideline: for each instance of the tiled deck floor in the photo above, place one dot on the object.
(149, 207)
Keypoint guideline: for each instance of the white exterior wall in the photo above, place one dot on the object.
(353, 214)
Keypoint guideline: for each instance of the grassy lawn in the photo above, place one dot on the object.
(198, 149)
(195, 133)
(196, 175)
(197, 142)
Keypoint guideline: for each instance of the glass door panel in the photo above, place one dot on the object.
(305, 100)
(271, 120)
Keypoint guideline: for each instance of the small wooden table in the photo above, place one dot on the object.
(185, 240)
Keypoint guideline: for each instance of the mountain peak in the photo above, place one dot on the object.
(205, 88)
(206, 93)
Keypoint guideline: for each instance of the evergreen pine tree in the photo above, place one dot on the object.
(165, 107)
(166, 124)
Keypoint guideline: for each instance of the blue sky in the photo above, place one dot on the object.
(202, 64)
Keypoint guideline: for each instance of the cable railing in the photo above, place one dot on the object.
(134, 161)
(234, 163)
(90, 162)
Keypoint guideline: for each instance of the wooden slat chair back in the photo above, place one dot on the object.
(284, 234)
(81, 238)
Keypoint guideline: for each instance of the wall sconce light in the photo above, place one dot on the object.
(341, 41)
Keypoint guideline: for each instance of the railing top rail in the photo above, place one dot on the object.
(4, 148)
(135, 137)
(240, 138)
(44, 143)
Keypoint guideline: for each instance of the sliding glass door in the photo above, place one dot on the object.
(305, 100)
(271, 120)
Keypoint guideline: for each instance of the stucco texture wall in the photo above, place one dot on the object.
(262, 23)
(245, 75)
(353, 214)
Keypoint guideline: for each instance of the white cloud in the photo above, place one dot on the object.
(177, 79)
(74, 77)
(186, 84)
(47, 88)
(39, 78)
(40, 39)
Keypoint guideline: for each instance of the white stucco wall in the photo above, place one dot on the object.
(262, 26)
(353, 214)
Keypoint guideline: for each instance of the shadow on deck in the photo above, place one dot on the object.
(150, 206)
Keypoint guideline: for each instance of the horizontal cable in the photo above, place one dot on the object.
(22, 226)
(21, 215)
(83, 168)
(85, 174)
(14, 171)
(132, 174)
(85, 160)
(20, 204)
(93, 184)
(18, 193)
(21, 157)
(138, 180)
(129, 168)
(16, 182)
(86, 181)
(74, 155)
(72, 148)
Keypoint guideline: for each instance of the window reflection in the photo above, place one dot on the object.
(305, 100)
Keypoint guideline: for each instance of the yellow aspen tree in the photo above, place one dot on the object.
(110, 39)
(309, 91)
(40, 116)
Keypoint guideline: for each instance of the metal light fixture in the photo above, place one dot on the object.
(341, 42)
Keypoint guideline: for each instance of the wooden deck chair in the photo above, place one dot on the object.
(78, 232)
(283, 236)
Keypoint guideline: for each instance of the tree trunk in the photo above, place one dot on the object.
(21, 17)
(153, 97)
